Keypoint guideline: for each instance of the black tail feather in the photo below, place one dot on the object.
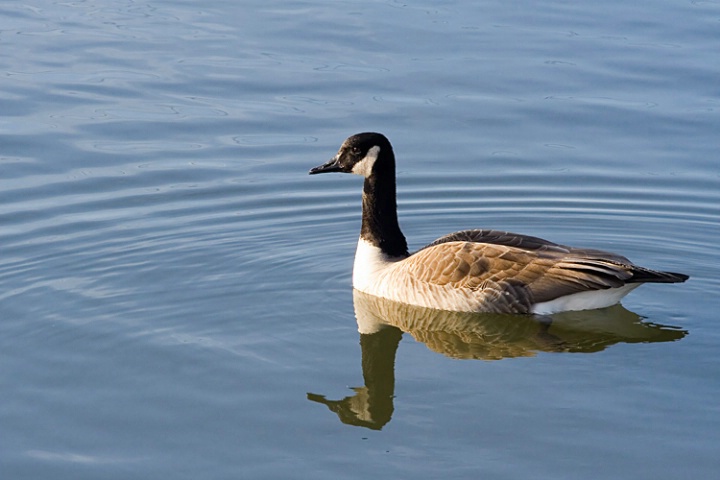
(641, 275)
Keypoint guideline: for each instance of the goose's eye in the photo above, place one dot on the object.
(356, 151)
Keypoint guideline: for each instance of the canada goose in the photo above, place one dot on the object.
(473, 270)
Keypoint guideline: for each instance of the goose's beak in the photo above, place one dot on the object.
(331, 166)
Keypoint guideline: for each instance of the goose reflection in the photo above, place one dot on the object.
(382, 322)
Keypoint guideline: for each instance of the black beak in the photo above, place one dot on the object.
(331, 166)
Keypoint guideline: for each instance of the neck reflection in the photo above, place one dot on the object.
(381, 324)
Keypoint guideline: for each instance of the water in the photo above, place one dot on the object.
(175, 289)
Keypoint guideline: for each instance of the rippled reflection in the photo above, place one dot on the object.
(381, 324)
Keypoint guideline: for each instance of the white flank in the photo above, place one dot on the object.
(584, 300)
(364, 167)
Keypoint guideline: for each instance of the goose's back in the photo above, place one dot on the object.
(489, 270)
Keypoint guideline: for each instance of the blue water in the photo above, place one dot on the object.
(175, 294)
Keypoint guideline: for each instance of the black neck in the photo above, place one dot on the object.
(379, 219)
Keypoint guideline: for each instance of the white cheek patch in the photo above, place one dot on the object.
(364, 167)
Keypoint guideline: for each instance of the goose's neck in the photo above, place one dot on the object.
(380, 225)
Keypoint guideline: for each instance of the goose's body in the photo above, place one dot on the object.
(473, 270)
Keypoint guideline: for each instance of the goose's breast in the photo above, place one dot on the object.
(370, 265)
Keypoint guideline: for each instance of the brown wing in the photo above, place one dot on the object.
(521, 273)
(524, 242)
(498, 237)
(585, 259)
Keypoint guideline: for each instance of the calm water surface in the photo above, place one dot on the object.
(175, 295)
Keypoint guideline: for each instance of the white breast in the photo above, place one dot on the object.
(369, 264)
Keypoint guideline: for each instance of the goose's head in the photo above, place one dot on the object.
(362, 154)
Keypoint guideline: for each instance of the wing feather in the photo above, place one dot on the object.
(529, 268)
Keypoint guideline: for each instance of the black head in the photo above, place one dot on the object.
(359, 154)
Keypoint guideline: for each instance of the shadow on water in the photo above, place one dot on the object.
(473, 336)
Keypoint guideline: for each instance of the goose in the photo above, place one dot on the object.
(473, 270)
